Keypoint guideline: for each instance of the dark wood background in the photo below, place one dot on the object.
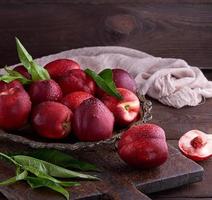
(161, 28)
(166, 28)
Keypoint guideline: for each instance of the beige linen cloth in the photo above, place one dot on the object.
(171, 81)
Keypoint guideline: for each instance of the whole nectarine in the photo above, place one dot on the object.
(15, 105)
(123, 79)
(74, 99)
(143, 146)
(52, 120)
(93, 121)
(77, 80)
(60, 67)
(125, 110)
(45, 90)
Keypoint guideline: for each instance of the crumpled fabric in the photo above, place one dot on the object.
(171, 81)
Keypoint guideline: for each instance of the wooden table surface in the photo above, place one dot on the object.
(166, 28)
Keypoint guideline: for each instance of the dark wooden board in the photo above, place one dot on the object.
(119, 181)
(169, 28)
(196, 190)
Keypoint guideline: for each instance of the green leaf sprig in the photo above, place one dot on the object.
(105, 81)
(44, 172)
(63, 160)
(37, 72)
(12, 75)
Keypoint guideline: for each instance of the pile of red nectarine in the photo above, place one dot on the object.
(62, 99)
(68, 101)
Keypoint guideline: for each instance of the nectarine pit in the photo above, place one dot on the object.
(198, 142)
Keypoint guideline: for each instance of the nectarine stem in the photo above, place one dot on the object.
(127, 107)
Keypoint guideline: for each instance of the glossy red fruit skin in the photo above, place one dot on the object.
(93, 121)
(119, 112)
(52, 120)
(23, 71)
(143, 146)
(45, 90)
(77, 80)
(123, 79)
(60, 67)
(12, 84)
(15, 106)
(74, 99)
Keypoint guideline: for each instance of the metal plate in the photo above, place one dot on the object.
(27, 137)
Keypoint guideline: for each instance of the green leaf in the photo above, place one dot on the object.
(37, 72)
(105, 82)
(44, 172)
(107, 75)
(12, 75)
(18, 177)
(36, 172)
(25, 58)
(40, 174)
(47, 168)
(18, 170)
(6, 157)
(37, 182)
(69, 183)
(62, 159)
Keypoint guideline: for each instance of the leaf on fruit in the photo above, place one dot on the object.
(8, 158)
(25, 58)
(37, 72)
(105, 81)
(62, 159)
(12, 75)
(107, 75)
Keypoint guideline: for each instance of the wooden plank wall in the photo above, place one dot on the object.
(171, 28)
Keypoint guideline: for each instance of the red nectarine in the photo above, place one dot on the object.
(23, 71)
(125, 110)
(45, 90)
(60, 67)
(52, 120)
(77, 80)
(15, 105)
(74, 99)
(93, 121)
(123, 79)
(143, 146)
